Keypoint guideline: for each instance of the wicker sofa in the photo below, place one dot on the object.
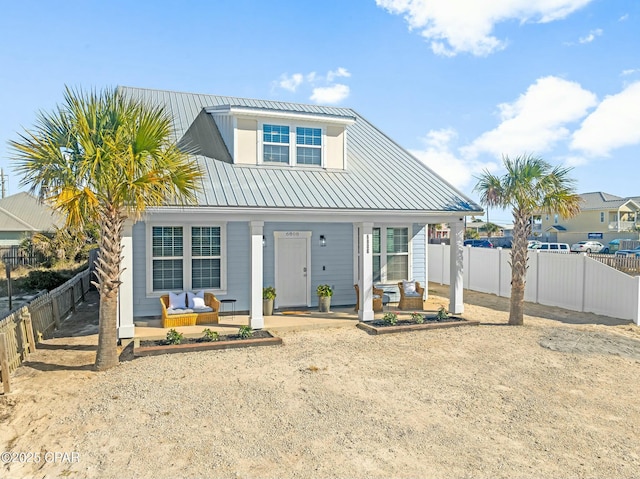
(377, 298)
(411, 301)
(192, 317)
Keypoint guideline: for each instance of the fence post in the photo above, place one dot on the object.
(636, 302)
(73, 299)
(4, 364)
(26, 317)
(55, 307)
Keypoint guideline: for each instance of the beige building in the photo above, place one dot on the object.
(603, 217)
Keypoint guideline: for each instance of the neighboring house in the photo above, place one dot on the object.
(22, 215)
(602, 217)
(293, 196)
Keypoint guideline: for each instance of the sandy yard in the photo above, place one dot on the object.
(559, 397)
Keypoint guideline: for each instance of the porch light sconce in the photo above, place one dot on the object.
(323, 240)
(264, 242)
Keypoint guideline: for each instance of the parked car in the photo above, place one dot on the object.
(629, 253)
(552, 247)
(588, 247)
(478, 243)
(532, 243)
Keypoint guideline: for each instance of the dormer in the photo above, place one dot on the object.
(264, 136)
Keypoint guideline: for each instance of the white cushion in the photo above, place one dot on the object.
(191, 296)
(409, 287)
(179, 311)
(198, 303)
(177, 301)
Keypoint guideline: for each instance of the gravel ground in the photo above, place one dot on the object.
(555, 398)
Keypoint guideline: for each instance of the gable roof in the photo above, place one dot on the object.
(24, 212)
(381, 175)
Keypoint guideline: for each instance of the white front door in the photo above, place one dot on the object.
(292, 268)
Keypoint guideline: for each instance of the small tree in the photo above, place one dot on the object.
(529, 186)
(105, 158)
(491, 229)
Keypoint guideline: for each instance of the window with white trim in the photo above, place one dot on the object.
(186, 258)
(277, 145)
(308, 146)
(390, 254)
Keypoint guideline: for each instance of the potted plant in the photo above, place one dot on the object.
(324, 293)
(268, 295)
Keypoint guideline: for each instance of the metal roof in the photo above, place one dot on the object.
(23, 212)
(380, 174)
(604, 201)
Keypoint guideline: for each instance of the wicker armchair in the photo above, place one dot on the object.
(190, 319)
(377, 298)
(411, 302)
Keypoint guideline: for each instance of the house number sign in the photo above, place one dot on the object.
(292, 234)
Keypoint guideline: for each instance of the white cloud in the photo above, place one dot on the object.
(456, 26)
(340, 72)
(323, 87)
(623, 17)
(290, 83)
(537, 120)
(613, 124)
(630, 71)
(331, 94)
(591, 37)
(438, 156)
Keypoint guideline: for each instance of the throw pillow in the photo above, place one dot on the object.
(191, 296)
(198, 303)
(409, 287)
(177, 301)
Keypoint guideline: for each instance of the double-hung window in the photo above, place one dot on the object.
(309, 146)
(186, 258)
(390, 254)
(278, 145)
(275, 144)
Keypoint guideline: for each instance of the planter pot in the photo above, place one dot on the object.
(324, 303)
(267, 307)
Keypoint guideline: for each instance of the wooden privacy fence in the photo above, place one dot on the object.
(572, 281)
(22, 328)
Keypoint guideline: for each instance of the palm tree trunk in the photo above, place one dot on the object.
(108, 281)
(518, 268)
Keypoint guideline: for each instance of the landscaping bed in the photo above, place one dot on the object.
(390, 325)
(258, 338)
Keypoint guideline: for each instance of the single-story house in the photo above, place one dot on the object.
(293, 196)
(22, 215)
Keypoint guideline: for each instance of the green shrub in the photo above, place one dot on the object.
(324, 290)
(245, 332)
(209, 335)
(45, 279)
(417, 317)
(390, 318)
(269, 292)
(174, 337)
(442, 314)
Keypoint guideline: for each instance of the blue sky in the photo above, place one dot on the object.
(456, 82)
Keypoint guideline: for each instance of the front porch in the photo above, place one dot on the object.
(338, 317)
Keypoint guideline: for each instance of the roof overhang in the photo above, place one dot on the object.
(283, 114)
(303, 215)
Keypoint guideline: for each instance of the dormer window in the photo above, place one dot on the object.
(275, 144)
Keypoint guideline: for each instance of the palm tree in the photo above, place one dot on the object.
(491, 229)
(103, 157)
(529, 186)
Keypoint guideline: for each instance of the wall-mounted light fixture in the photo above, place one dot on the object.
(264, 241)
(323, 240)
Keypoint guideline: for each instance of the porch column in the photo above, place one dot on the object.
(125, 292)
(365, 313)
(456, 265)
(256, 319)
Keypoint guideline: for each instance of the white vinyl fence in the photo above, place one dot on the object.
(571, 281)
